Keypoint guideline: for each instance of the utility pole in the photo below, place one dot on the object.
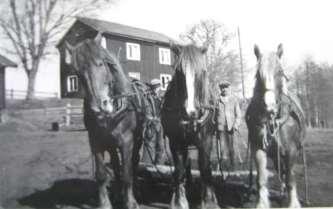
(241, 61)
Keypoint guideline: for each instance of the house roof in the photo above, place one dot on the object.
(5, 62)
(123, 30)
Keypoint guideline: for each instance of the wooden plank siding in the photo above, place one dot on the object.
(148, 66)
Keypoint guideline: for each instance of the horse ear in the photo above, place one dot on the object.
(175, 47)
(279, 51)
(98, 38)
(257, 51)
(69, 47)
(204, 50)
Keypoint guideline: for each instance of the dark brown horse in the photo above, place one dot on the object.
(276, 126)
(115, 114)
(187, 119)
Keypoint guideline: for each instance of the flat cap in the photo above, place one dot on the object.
(155, 82)
(224, 84)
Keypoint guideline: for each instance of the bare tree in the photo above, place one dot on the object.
(33, 26)
(313, 84)
(222, 62)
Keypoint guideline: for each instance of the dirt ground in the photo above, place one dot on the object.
(44, 169)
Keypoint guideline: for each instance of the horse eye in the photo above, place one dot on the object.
(99, 63)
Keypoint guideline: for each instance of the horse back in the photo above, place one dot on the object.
(295, 111)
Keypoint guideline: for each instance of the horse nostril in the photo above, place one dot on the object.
(192, 114)
(271, 113)
(105, 103)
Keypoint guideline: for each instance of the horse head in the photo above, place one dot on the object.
(100, 74)
(191, 78)
(270, 79)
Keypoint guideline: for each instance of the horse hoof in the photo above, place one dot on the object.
(132, 205)
(104, 207)
(179, 203)
(209, 206)
(295, 204)
(263, 204)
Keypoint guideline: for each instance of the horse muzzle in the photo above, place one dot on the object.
(270, 103)
(193, 123)
(107, 106)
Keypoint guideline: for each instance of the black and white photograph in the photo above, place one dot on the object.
(155, 104)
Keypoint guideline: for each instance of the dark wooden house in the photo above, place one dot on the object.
(4, 62)
(143, 54)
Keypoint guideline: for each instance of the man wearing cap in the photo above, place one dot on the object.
(153, 148)
(228, 119)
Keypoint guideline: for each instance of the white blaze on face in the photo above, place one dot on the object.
(270, 101)
(269, 96)
(106, 102)
(189, 77)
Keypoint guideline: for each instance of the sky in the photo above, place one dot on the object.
(304, 27)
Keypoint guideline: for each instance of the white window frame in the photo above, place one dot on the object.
(135, 75)
(68, 57)
(165, 80)
(72, 83)
(164, 56)
(133, 51)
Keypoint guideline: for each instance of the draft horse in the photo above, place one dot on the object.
(187, 118)
(276, 126)
(114, 115)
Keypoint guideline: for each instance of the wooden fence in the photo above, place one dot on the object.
(68, 115)
(21, 94)
(71, 114)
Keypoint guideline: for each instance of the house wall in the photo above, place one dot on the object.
(148, 66)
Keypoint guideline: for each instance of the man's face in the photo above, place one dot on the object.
(224, 91)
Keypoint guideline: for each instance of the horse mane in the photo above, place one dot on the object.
(176, 89)
(89, 50)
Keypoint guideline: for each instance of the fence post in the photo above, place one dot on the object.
(68, 114)
(12, 94)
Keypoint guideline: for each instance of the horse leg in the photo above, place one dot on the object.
(262, 178)
(115, 162)
(159, 145)
(136, 161)
(127, 173)
(293, 201)
(208, 198)
(179, 155)
(103, 179)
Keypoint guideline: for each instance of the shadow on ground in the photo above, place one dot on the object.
(82, 193)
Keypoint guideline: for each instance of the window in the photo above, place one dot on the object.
(72, 83)
(133, 51)
(164, 55)
(103, 42)
(165, 79)
(134, 75)
(68, 57)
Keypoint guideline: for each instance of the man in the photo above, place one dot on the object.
(153, 146)
(228, 120)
